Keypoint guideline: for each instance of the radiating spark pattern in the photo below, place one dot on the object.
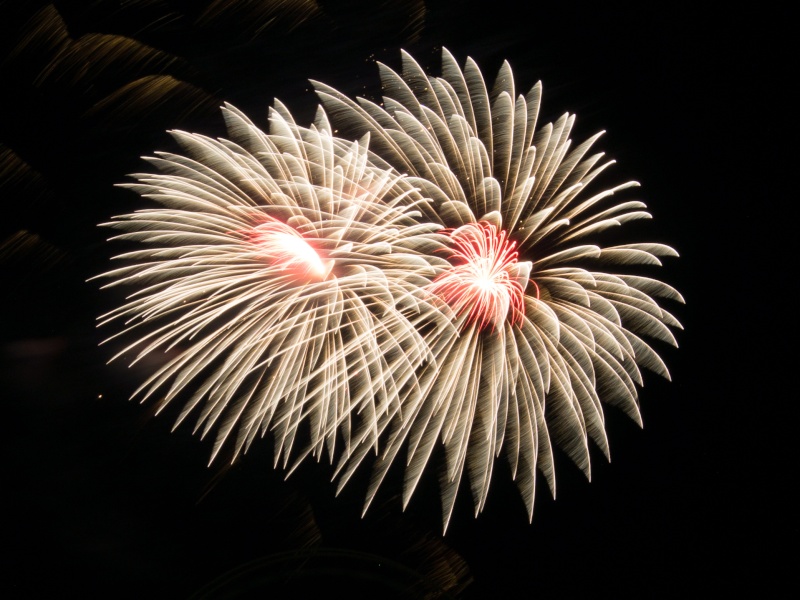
(281, 280)
(481, 285)
(576, 339)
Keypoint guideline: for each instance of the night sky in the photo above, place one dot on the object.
(101, 499)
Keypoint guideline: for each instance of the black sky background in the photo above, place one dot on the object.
(102, 500)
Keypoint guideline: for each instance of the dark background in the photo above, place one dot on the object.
(100, 497)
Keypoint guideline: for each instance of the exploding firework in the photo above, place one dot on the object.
(281, 279)
(436, 282)
(541, 336)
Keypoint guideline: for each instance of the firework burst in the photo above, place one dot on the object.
(281, 276)
(544, 330)
(485, 281)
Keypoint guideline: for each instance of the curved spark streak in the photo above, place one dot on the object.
(481, 284)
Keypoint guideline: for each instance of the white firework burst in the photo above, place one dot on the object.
(281, 275)
(544, 329)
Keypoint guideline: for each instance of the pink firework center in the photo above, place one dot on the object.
(486, 284)
(287, 249)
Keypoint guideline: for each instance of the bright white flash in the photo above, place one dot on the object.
(288, 250)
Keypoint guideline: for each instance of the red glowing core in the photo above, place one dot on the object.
(484, 281)
(289, 251)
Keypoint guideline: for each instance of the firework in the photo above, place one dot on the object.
(280, 278)
(543, 332)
